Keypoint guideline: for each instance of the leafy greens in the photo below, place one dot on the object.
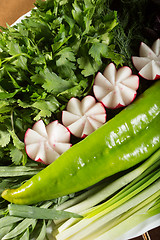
(48, 58)
(53, 55)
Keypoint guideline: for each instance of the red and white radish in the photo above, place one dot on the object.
(83, 117)
(115, 88)
(148, 62)
(46, 143)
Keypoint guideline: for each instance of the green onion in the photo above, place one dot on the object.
(92, 222)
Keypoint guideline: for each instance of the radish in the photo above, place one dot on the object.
(115, 88)
(83, 117)
(46, 143)
(148, 62)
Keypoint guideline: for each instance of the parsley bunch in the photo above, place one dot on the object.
(45, 60)
(52, 56)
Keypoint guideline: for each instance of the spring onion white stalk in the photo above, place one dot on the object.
(92, 222)
(129, 223)
(141, 208)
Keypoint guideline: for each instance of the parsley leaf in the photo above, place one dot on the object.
(4, 136)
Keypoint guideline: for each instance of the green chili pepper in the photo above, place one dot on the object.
(124, 141)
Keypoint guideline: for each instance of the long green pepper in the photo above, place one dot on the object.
(124, 141)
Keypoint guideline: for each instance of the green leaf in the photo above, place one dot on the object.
(75, 91)
(25, 235)
(42, 233)
(5, 95)
(53, 83)
(8, 220)
(21, 62)
(88, 66)
(4, 136)
(16, 171)
(70, 22)
(65, 63)
(5, 230)
(13, 48)
(20, 228)
(43, 112)
(15, 84)
(97, 51)
(23, 104)
(115, 56)
(16, 155)
(40, 59)
(39, 213)
(46, 107)
(65, 53)
(58, 44)
(77, 13)
(16, 141)
(4, 118)
(111, 20)
(88, 19)
(5, 106)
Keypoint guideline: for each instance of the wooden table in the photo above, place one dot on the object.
(10, 11)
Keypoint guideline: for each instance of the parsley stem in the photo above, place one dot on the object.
(12, 120)
(13, 80)
(15, 56)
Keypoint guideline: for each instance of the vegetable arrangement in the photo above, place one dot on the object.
(49, 64)
(127, 139)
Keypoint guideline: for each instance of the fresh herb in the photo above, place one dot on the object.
(48, 58)
(54, 55)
